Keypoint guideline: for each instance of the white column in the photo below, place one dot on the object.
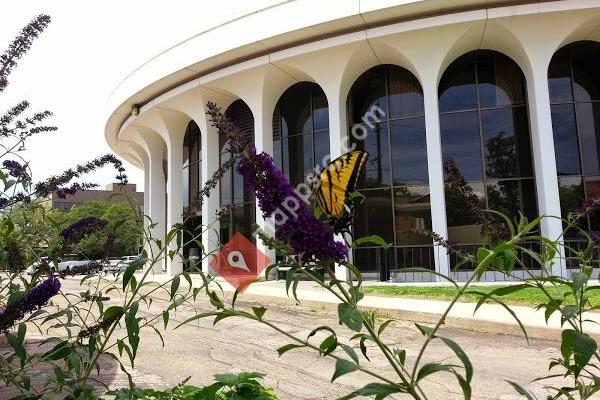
(175, 195)
(542, 140)
(156, 191)
(435, 167)
(338, 142)
(263, 141)
(210, 205)
(146, 211)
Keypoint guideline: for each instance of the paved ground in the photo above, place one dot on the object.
(200, 350)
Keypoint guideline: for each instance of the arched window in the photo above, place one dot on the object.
(386, 118)
(192, 176)
(192, 164)
(574, 85)
(300, 131)
(237, 201)
(485, 141)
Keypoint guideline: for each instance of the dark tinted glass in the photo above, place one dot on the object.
(585, 61)
(369, 90)
(571, 194)
(559, 77)
(377, 171)
(463, 224)
(226, 183)
(277, 154)
(298, 159)
(409, 151)
(457, 90)
(566, 148)
(461, 142)
(506, 142)
(500, 80)
(412, 215)
(321, 140)
(243, 219)
(405, 94)
(371, 260)
(375, 216)
(320, 109)
(588, 124)
(295, 109)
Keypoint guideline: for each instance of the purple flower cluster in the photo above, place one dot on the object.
(56, 183)
(77, 230)
(16, 169)
(3, 202)
(309, 237)
(30, 301)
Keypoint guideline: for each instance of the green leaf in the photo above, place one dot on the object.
(130, 270)
(462, 356)
(379, 390)
(373, 240)
(350, 317)
(259, 312)
(425, 330)
(350, 351)
(328, 345)
(175, 285)
(431, 368)
(112, 312)
(580, 346)
(165, 316)
(343, 367)
(284, 349)
(521, 390)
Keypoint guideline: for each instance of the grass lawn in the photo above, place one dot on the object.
(528, 296)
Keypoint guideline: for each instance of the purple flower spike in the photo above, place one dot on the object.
(307, 235)
(31, 301)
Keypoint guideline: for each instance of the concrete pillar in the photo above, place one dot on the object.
(436, 173)
(156, 190)
(210, 205)
(338, 145)
(542, 143)
(175, 204)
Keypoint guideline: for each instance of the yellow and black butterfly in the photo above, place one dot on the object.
(337, 180)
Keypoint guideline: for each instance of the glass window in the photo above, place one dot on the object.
(457, 90)
(395, 178)
(375, 212)
(485, 140)
(236, 198)
(412, 215)
(461, 142)
(300, 150)
(574, 84)
(191, 164)
(409, 151)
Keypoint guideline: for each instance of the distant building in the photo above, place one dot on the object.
(113, 192)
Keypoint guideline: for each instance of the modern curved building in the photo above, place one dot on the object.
(502, 95)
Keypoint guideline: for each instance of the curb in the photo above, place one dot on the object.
(469, 324)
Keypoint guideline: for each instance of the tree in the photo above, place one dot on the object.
(120, 235)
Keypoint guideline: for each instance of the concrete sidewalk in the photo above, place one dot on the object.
(490, 318)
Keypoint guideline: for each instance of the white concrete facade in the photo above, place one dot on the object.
(257, 57)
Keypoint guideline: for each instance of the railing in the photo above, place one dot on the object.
(378, 261)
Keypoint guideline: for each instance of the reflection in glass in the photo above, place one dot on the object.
(376, 213)
(461, 142)
(588, 125)
(239, 200)
(574, 84)
(457, 89)
(396, 142)
(506, 142)
(485, 139)
(298, 152)
(409, 151)
(412, 215)
(566, 147)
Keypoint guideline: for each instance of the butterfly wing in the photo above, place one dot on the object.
(338, 179)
